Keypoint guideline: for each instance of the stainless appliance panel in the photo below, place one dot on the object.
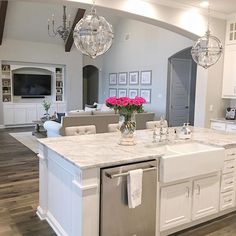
(116, 218)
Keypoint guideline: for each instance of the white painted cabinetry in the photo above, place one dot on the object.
(187, 201)
(176, 205)
(229, 75)
(205, 196)
(25, 113)
(227, 196)
(223, 126)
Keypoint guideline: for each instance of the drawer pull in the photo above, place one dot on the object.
(229, 182)
(230, 200)
(188, 192)
(232, 154)
(199, 189)
(230, 167)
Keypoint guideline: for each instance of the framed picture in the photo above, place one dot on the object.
(146, 94)
(122, 93)
(112, 79)
(133, 93)
(59, 91)
(146, 77)
(122, 78)
(112, 92)
(133, 78)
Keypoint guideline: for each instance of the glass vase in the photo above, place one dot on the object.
(127, 126)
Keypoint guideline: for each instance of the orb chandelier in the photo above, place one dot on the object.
(93, 35)
(207, 50)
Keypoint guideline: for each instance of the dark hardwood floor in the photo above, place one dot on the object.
(19, 189)
(19, 195)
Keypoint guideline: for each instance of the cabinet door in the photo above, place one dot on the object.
(20, 115)
(8, 116)
(31, 114)
(231, 128)
(218, 125)
(229, 76)
(175, 205)
(206, 196)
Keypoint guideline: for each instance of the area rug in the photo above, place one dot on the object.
(27, 139)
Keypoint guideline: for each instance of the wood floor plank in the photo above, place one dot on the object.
(19, 186)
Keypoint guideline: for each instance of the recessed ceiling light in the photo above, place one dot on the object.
(204, 4)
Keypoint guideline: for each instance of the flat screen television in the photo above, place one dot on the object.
(31, 85)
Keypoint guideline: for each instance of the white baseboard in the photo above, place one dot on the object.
(40, 213)
(55, 225)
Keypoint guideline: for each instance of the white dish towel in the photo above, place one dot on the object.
(134, 187)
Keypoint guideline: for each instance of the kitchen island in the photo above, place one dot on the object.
(70, 177)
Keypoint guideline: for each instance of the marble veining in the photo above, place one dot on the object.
(100, 150)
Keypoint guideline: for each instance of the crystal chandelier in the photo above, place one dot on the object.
(63, 30)
(93, 35)
(207, 50)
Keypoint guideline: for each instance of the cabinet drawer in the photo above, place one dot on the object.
(230, 154)
(227, 182)
(231, 128)
(218, 126)
(227, 200)
(229, 166)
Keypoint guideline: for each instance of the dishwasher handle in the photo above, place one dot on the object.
(113, 176)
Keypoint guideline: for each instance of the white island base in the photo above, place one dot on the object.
(70, 192)
(69, 197)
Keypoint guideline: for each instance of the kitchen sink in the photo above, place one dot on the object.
(186, 160)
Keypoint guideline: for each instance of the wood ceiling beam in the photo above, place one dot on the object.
(3, 13)
(70, 39)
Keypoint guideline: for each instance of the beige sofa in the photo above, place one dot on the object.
(99, 119)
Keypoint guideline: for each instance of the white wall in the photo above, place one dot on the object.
(23, 51)
(148, 48)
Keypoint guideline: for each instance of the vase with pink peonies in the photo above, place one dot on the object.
(127, 108)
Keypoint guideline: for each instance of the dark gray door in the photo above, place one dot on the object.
(180, 86)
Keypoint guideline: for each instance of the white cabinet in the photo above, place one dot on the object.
(8, 115)
(206, 196)
(25, 113)
(181, 203)
(20, 114)
(175, 205)
(227, 196)
(223, 126)
(229, 75)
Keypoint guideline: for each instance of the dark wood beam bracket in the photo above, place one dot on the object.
(3, 12)
(70, 39)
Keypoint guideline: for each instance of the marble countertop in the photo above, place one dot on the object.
(100, 150)
(224, 120)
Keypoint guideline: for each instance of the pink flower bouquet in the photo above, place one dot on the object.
(126, 105)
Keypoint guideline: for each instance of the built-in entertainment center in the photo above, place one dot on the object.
(24, 86)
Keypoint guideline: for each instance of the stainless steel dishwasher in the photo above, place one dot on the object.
(116, 218)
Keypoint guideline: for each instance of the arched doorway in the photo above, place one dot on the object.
(181, 88)
(90, 84)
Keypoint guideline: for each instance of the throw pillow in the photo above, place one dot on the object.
(59, 116)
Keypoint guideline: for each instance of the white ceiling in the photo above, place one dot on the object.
(225, 7)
